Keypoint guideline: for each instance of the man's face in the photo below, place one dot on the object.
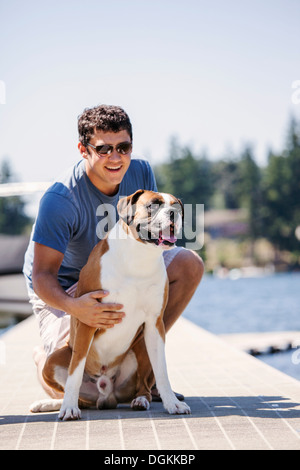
(106, 172)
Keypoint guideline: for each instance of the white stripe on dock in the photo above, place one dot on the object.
(158, 445)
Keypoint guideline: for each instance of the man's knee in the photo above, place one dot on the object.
(189, 266)
(194, 266)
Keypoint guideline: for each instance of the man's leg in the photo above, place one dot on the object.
(54, 326)
(185, 273)
(59, 328)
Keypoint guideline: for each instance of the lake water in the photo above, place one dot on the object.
(247, 305)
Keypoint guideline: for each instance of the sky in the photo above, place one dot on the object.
(216, 74)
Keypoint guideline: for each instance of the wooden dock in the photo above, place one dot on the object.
(237, 402)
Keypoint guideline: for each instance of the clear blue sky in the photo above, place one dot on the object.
(216, 73)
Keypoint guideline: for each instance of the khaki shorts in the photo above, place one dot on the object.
(54, 325)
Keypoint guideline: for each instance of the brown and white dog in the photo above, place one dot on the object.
(104, 367)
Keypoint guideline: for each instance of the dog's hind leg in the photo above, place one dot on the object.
(55, 373)
(45, 405)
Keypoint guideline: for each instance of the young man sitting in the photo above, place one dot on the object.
(74, 215)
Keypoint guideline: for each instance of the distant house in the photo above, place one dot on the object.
(226, 223)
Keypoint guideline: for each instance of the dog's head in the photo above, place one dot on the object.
(153, 218)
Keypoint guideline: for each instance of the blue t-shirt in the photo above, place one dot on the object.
(74, 215)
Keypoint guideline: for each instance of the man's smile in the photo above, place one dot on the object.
(113, 168)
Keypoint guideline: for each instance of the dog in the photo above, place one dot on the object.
(103, 367)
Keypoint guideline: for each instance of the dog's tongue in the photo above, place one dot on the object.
(166, 237)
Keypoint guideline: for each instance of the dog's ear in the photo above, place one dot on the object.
(126, 206)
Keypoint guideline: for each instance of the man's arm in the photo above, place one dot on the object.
(86, 308)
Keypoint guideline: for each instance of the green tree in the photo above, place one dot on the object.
(185, 175)
(226, 184)
(282, 193)
(188, 177)
(249, 191)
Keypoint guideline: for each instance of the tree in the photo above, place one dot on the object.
(189, 178)
(282, 193)
(226, 183)
(249, 191)
(185, 175)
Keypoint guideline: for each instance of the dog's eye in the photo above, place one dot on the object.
(154, 205)
(157, 201)
(152, 208)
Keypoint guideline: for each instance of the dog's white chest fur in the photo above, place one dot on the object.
(135, 276)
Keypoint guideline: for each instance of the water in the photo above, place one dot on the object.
(262, 304)
(286, 361)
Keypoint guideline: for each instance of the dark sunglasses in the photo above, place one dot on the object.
(102, 150)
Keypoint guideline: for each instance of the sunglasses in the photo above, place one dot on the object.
(102, 150)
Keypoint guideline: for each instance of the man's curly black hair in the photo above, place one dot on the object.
(106, 118)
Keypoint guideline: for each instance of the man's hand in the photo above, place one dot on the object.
(89, 309)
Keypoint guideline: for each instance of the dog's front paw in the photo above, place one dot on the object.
(140, 404)
(176, 407)
(69, 412)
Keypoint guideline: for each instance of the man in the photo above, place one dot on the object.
(75, 212)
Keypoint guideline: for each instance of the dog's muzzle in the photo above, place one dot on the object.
(161, 229)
